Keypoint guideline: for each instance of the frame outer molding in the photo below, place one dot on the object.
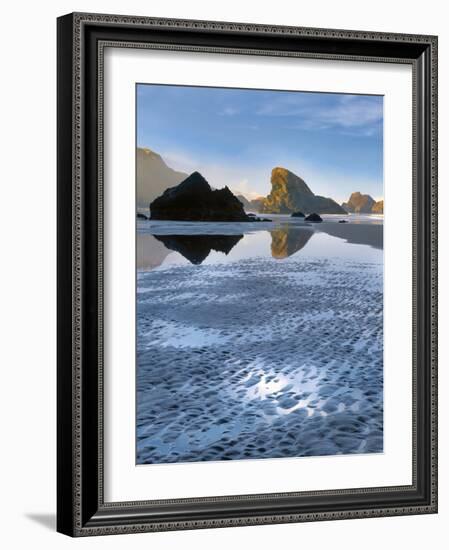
(70, 268)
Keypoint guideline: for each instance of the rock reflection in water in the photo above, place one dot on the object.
(196, 248)
(286, 241)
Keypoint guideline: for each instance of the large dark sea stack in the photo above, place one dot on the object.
(194, 200)
(290, 193)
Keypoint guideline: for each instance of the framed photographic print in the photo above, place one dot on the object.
(247, 251)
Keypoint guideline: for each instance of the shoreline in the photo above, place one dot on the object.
(285, 237)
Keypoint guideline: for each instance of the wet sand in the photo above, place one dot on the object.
(260, 356)
(355, 233)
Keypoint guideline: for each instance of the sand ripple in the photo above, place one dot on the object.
(259, 359)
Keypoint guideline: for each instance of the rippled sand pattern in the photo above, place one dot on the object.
(257, 359)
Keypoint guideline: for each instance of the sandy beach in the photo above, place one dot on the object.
(273, 349)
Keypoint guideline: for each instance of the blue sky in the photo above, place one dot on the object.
(235, 137)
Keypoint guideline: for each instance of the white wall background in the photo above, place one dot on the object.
(27, 289)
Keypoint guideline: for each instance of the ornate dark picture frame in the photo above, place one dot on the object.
(81, 510)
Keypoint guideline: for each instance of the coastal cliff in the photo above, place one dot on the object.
(153, 176)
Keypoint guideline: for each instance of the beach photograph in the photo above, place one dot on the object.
(259, 274)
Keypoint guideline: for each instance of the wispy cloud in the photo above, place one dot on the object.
(283, 105)
(229, 111)
(348, 114)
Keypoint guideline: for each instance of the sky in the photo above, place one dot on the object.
(235, 137)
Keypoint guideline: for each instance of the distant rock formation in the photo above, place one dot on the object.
(246, 203)
(298, 214)
(194, 200)
(313, 218)
(141, 216)
(196, 248)
(362, 204)
(378, 207)
(290, 193)
(256, 204)
(251, 205)
(153, 176)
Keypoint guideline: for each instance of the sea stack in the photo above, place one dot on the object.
(290, 193)
(194, 200)
(359, 203)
